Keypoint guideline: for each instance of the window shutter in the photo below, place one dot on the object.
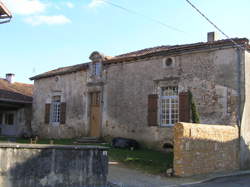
(152, 109)
(47, 113)
(184, 107)
(63, 113)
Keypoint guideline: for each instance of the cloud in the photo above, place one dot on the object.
(25, 7)
(69, 5)
(95, 3)
(49, 20)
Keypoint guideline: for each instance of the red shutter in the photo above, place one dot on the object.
(184, 107)
(63, 113)
(47, 113)
(152, 109)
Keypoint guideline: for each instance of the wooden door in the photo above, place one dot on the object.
(95, 127)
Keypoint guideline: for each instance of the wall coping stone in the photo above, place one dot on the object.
(48, 146)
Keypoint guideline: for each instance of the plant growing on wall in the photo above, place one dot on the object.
(194, 113)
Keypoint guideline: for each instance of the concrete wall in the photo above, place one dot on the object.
(211, 75)
(72, 88)
(245, 122)
(201, 149)
(52, 166)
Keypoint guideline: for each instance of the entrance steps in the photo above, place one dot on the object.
(86, 140)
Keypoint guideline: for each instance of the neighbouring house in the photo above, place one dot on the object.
(5, 14)
(15, 107)
(142, 94)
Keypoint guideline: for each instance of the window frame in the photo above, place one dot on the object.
(170, 104)
(6, 118)
(96, 69)
(55, 114)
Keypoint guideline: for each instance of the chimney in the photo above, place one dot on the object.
(10, 77)
(212, 36)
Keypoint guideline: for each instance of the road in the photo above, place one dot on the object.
(236, 181)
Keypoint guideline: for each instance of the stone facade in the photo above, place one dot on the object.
(72, 89)
(201, 149)
(210, 71)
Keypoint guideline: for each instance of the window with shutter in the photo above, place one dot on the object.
(169, 106)
(47, 113)
(184, 107)
(152, 109)
(63, 113)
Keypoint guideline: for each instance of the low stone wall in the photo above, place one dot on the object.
(53, 166)
(201, 149)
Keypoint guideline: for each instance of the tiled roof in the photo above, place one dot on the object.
(167, 49)
(15, 91)
(61, 71)
(149, 52)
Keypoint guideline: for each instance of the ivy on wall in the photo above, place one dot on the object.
(194, 113)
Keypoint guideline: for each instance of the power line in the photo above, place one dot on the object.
(204, 16)
(142, 15)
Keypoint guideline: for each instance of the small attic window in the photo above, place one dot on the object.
(168, 62)
(96, 69)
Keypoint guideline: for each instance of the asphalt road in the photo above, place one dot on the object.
(236, 181)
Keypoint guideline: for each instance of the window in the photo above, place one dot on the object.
(169, 105)
(9, 119)
(96, 69)
(56, 109)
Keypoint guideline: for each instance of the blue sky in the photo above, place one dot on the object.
(48, 34)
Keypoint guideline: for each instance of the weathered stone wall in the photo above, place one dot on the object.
(245, 123)
(53, 166)
(24, 116)
(211, 75)
(72, 88)
(200, 149)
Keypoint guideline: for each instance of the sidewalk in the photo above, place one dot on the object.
(125, 177)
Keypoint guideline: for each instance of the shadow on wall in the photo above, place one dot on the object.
(52, 166)
(201, 149)
(244, 154)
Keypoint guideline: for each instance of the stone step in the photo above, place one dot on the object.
(89, 140)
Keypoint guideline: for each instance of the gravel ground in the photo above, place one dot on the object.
(124, 177)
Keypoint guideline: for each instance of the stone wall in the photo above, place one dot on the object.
(211, 75)
(201, 149)
(53, 166)
(72, 88)
(245, 122)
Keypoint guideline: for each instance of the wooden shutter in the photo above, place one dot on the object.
(47, 113)
(63, 113)
(184, 107)
(152, 109)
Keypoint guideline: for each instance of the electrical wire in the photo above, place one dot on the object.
(204, 16)
(142, 15)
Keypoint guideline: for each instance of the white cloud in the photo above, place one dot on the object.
(69, 5)
(49, 20)
(25, 7)
(95, 3)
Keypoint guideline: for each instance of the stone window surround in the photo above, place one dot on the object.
(159, 84)
(49, 100)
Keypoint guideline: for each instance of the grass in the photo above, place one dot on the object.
(146, 160)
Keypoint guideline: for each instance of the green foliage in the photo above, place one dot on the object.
(194, 113)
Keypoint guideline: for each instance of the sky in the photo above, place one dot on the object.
(48, 34)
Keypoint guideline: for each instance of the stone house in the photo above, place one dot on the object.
(142, 94)
(15, 107)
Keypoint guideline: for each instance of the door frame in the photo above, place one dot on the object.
(89, 110)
